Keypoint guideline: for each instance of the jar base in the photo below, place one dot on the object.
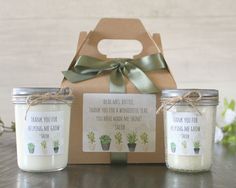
(39, 171)
(189, 171)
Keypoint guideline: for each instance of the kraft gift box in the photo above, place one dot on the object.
(111, 28)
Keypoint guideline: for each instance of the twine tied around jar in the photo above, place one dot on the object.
(36, 99)
(191, 98)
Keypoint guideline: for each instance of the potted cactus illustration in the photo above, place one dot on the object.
(31, 147)
(184, 146)
(56, 146)
(196, 146)
(132, 140)
(91, 140)
(44, 146)
(144, 141)
(173, 147)
(105, 142)
(118, 140)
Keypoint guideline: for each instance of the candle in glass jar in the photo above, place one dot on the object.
(42, 128)
(189, 118)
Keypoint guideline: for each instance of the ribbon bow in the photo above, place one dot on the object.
(190, 98)
(87, 67)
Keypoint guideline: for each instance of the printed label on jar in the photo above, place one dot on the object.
(184, 133)
(44, 133)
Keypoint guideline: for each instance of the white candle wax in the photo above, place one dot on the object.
(42, 131)
(189, 119)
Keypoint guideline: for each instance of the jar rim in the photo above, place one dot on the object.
(20, 94)
(180, 92)
(38, 90)
(208, 96)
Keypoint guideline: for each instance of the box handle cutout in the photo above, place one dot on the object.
(118, 48)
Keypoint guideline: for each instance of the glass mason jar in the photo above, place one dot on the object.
(189, 120)
(42, 118)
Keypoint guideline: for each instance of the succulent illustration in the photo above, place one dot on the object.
(184, 144)
(196, 144)
(56, 143)
(31, 147)
(44, 144)
(132, 138)
(91, 137)
(105, 139)
(56, 146)
(105, 142)
(118, 138)
(144, 138)
(173, 147)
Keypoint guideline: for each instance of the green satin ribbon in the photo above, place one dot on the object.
(87, 67)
